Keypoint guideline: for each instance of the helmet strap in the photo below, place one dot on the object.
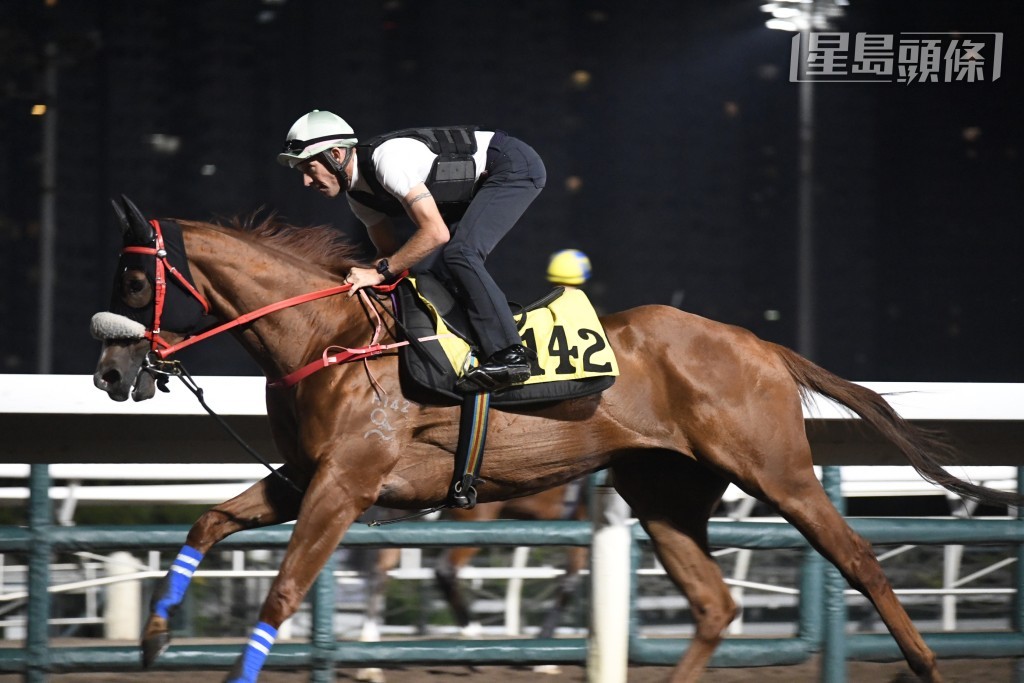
(337, 167)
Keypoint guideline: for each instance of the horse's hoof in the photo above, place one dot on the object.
(155, 640)
(474, 629)
(549, 669)
(370, 675)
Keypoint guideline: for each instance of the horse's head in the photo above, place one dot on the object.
(153, 303)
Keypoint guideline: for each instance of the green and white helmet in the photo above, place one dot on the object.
(313, 133)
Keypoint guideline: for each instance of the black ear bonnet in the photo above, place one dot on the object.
(182, 312)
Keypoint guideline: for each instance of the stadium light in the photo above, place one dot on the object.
(803, 15)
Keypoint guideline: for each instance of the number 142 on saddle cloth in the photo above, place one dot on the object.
(563, 329)
(568, 339)
(566, 335)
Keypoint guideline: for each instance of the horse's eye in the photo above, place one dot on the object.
(136, 290)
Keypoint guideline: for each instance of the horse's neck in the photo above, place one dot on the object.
(239, 275)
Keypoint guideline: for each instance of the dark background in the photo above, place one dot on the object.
(684, 142)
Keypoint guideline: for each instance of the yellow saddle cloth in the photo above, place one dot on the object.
(562, 328)
(566, 335)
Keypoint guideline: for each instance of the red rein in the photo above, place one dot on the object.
(162, 265)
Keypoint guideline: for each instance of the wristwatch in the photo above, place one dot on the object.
(382, 268)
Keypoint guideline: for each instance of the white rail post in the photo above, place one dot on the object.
(514, 592)
(122, 613)
(610, 567)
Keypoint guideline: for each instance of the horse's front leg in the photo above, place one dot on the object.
(333, 501)
(270, 501)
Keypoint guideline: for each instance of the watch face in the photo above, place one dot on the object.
(382, 266)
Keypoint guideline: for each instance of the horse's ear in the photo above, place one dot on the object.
(139, 230)
(122, 218)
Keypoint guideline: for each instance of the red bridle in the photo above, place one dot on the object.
(163, 266)
(163, 349)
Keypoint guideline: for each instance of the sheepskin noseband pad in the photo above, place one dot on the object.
(108, 326)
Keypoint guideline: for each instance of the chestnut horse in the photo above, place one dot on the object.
(698, 404)
(561, 502)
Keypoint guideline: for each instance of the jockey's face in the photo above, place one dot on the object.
(318, 177)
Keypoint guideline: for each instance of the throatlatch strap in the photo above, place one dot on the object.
(469, 454)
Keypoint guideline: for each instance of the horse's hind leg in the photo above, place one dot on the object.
(447, 575)
(673, 498)
(385, 559)
(800, 498)
(270, 501)
(778, 470)
(576, 558)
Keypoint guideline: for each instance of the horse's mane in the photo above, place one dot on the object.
(321, 245)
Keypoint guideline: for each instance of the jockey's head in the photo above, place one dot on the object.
(324, 139)
(568, 267)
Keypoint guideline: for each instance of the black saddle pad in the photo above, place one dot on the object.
(426, 371)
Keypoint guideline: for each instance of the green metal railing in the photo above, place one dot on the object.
(821, 628)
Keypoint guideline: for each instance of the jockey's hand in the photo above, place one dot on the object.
(362, 277)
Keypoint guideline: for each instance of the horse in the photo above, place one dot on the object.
(697, 404)
(558, 503)
(561, 502)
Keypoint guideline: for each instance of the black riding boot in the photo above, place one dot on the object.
(503, 369)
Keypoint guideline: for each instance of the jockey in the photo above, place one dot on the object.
(569, 268)
(463, 188)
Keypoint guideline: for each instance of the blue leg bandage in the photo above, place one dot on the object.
(177, 580)
(248, 666)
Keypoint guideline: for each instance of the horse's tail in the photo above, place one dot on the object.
(925, 449)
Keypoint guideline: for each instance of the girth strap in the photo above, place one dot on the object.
(469, 454)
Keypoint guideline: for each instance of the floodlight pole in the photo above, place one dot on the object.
(806, 333)
(48, 216)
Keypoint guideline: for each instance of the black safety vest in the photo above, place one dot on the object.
(452, 179)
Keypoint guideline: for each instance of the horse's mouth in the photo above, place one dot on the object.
(121, 373)
(111, 383)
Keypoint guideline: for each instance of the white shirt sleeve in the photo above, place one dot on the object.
(402, 164)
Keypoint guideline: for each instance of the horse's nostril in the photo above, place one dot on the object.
(111, 377)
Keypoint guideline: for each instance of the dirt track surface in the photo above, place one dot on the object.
(955, 671)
